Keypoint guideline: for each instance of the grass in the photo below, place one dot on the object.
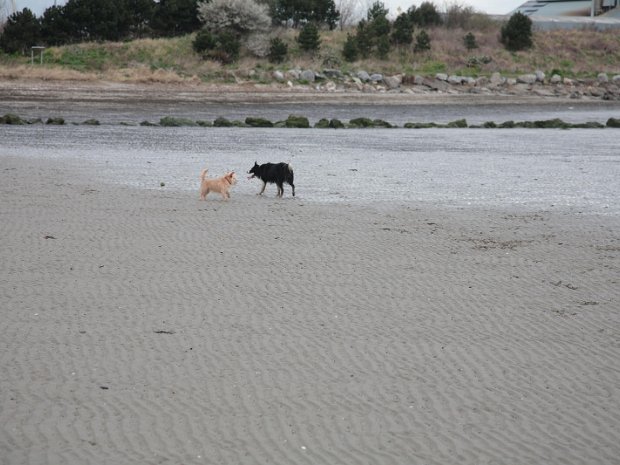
(573, 53)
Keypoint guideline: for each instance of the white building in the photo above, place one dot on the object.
(573, 8)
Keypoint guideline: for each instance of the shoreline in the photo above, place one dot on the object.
(109, 91)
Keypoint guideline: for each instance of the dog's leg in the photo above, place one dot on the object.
(280, 190)
(263, 189)
(293, 186)
(203, 194)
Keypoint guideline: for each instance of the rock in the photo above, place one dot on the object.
(441, 77)
(393, 82)
(496, 79)
(540, 76)
(568, 81)
(55, 121)
(555, 79)
(170, 121)
(336, 124)
(307, 75)
(595, 91)
(323, 123)
(278, 75)
(330, 86)
(221, 122)
(459, 123)
(376, 77)
(455, 80)
(511, 81)
(333, 74)
(295, 121)
(363, 76)
(616, 79)
(361, 123)
(468, 80)
(293, 74)
(258, 122)
(613, 123)
(526, 79)
(481, 81)
(91, 122)
(602, 78)
(11, 118)
(419, 80)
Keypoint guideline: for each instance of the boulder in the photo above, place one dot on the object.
(307, 75)
(11, 118)
(55, 121)
(333, 74)
(455, 80)
(496, 79)
(393, 82)
(616, 79)
(555, 79)
(258, 122)
(441, 77)
(526, 79)
(296, 121)
(278, 76)
(602, 78)
(293, 74)
(540, 76)
(363, 76)
(376, 77)
(419, 80)
(170, 121)
(613, 123)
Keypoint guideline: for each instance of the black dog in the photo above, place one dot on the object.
(273, 173)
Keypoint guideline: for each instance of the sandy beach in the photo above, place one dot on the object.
(147, 327)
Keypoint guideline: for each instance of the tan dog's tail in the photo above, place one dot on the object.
(203, 174)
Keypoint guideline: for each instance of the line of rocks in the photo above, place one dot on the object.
(298, 121)
(537, 84)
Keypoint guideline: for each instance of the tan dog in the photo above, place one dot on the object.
(221, 185)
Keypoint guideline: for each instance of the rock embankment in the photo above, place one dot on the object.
(537, 84)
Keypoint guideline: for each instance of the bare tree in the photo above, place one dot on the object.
(350, 12)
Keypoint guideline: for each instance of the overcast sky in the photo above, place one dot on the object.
(495, 7)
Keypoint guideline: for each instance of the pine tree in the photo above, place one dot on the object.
(309, 39)
(516, 34)
(470, 41)
(349, 51)
(423, 42)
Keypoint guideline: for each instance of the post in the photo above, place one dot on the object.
(40, 49)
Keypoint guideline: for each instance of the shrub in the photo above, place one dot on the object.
(422, 42)
(383, 47)
(204, 41)
(402, 30)
(363, 38)
(308, 38)
(516, 34)
(350, 49)
(227, 47)
(277, 50)
(470, 41)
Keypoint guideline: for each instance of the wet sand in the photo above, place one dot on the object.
(145, 326)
